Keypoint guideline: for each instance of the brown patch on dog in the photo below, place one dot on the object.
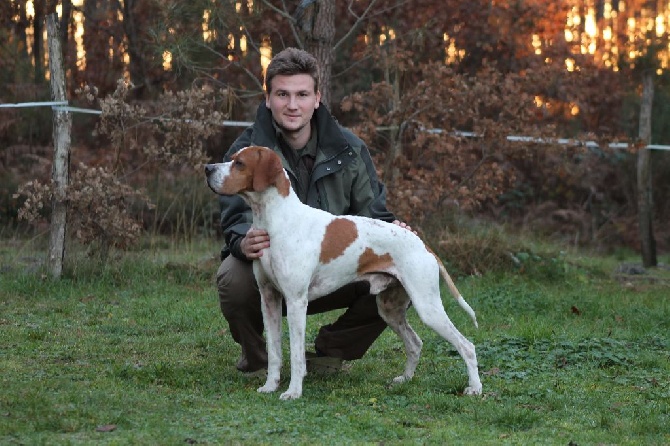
(340, 234)
(240, 177)
(268, 171)
(282, 184)
(369, 262)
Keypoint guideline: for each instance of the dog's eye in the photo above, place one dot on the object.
(238, 164)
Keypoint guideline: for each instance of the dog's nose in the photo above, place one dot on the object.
(209, 168)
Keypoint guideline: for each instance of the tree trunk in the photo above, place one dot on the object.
(66, 14)
(69, 57)
(644, 192)
(38, 42)
(61, 160)
(136, 66)
(20, 27)
(319, 41)
(96, 45)
(392, 78)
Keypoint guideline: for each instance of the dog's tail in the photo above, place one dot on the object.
(454, 291)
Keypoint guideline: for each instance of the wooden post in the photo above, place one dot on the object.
(60, 172)
(644, 192)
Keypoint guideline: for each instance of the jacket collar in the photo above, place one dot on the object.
(330, 142)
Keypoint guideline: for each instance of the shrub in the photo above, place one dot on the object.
(145, 137)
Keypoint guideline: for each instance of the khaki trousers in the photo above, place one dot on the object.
(349, 337)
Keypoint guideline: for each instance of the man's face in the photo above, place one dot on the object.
(292, 102)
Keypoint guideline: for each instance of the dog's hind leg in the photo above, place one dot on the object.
(272, 316)
(428, 306)
(392, 304)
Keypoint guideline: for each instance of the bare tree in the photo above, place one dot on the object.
(38, 42)
(316, 19)
(137, 63)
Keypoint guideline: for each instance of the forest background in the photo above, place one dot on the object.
(435, 87)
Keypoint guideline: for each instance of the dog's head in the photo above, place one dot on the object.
(252, 169)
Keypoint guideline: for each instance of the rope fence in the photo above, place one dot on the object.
(64, 106)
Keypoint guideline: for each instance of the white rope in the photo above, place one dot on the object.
(77, 109)
(63, 106)
(33, 104)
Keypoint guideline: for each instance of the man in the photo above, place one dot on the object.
(329, 168)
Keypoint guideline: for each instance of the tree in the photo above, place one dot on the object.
(137, 65)
(318, 28)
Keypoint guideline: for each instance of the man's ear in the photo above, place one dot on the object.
(268, 170)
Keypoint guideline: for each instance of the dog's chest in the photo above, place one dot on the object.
(287, 265)
(299, 269)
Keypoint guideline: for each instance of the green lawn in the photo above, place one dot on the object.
(136, 352)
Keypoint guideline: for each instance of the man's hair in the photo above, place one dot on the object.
(289, 62)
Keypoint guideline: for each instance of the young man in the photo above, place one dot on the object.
(331, 169)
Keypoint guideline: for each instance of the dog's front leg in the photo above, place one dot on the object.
(271, 308)
(296, 313)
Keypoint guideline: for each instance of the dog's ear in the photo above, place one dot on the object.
(268, 171)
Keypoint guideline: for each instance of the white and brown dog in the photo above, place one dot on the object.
(313, 253)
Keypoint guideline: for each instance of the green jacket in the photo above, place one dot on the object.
(343, 182)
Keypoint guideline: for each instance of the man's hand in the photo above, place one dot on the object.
(403, 225)
(253, 244)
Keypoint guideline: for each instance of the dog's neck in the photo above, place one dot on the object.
(271, 210)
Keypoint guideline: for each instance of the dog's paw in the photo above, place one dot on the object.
(473, 391)
(291, 395)
(400, 379)
(268, 387)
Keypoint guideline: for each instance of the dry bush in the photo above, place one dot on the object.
(170, 131)
(424, 160)
(102, 201)
(98, 207)
(428, 164)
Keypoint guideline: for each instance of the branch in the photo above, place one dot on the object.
(353, 65)
(355, 25)
(385, 10)
(285, 14)
(366, 15)
(281, 12)
(242, 67)
(472, 173)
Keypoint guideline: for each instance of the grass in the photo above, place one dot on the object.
(136, 352)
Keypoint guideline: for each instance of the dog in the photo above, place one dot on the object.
(313, 253)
